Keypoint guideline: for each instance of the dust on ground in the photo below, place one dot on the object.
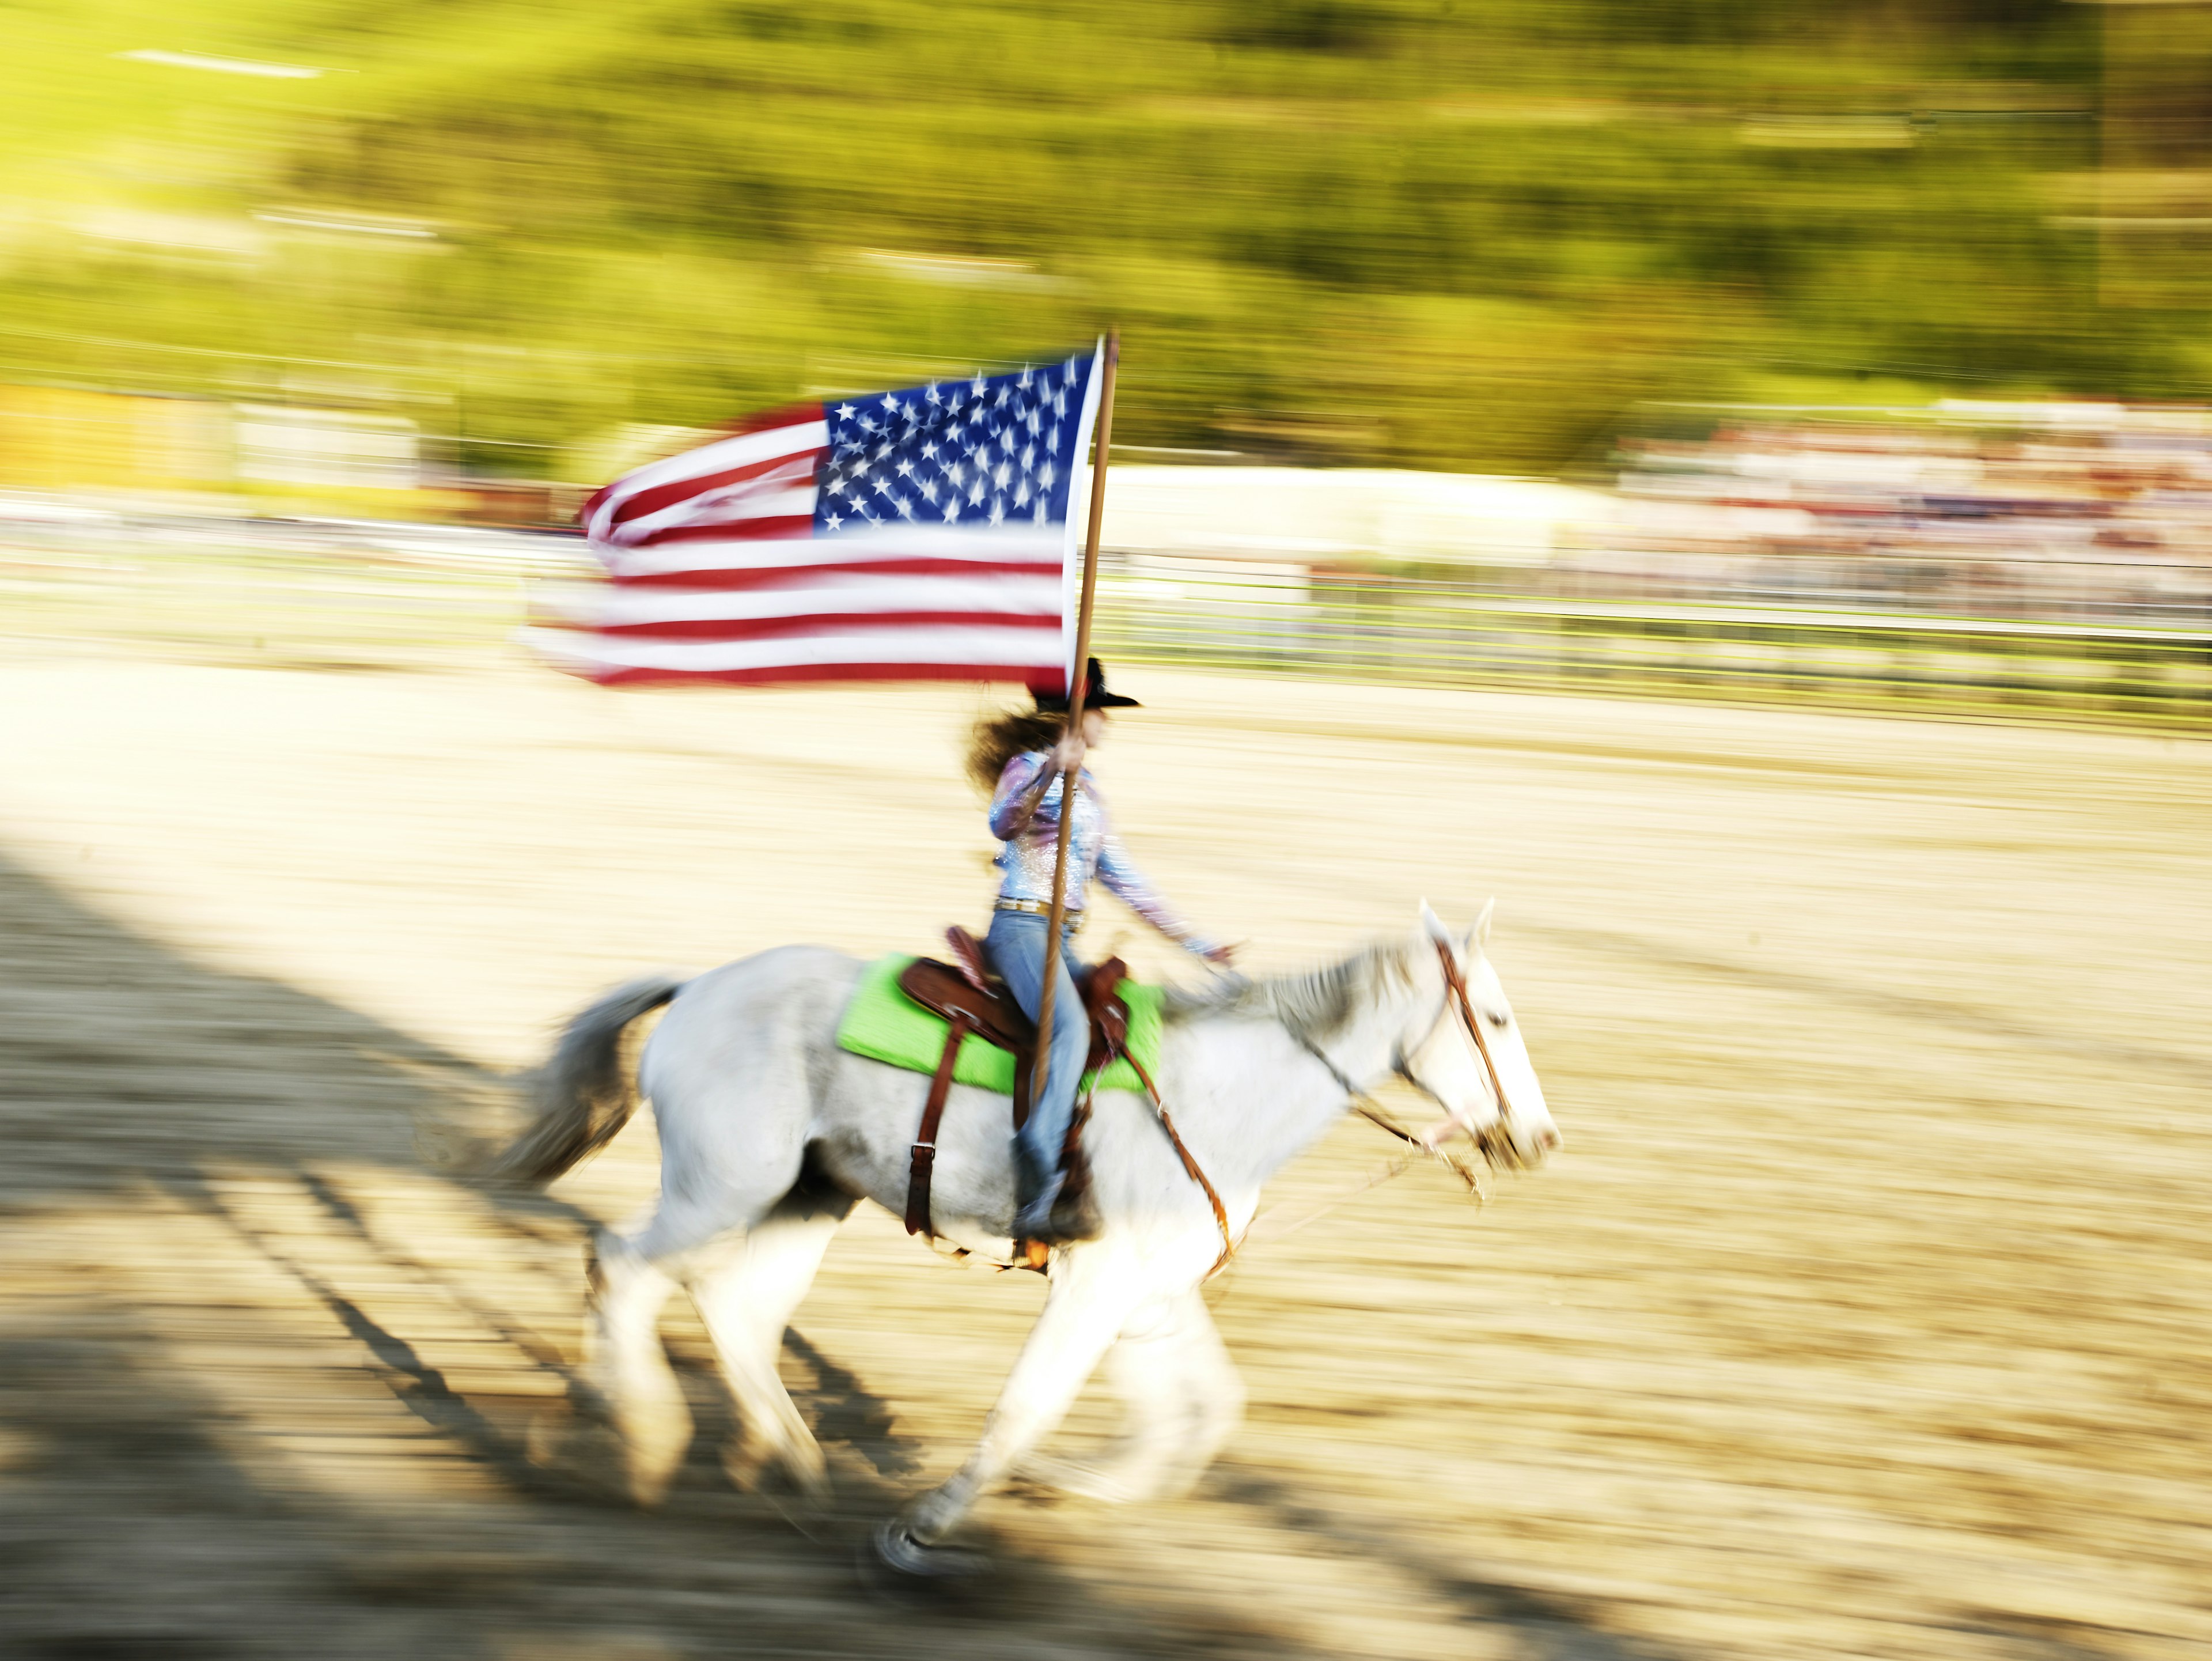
(1863, 1315)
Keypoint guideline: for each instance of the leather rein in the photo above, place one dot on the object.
(1456, 996)
(1229, 1242)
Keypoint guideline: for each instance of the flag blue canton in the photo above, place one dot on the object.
(983, 451)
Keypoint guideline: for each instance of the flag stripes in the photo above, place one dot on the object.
(926, 533)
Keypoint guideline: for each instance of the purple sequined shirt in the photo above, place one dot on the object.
(1092, 850)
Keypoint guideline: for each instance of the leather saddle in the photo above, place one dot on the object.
(969, 999)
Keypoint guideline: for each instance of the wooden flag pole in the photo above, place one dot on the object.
(1078, 683)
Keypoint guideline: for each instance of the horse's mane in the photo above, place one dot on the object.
(1317, 1003)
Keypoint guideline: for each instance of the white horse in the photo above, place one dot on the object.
(770, 1134)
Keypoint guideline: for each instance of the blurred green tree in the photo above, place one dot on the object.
(1460, 234)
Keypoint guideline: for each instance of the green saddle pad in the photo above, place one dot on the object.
(884, 1025)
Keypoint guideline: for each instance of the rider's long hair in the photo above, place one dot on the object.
(998, 739)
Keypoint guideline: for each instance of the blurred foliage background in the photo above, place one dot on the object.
(1454, 234)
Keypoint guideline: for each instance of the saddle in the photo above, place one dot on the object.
(971, 1000)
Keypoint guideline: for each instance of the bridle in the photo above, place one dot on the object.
(1455, 987)
(1494, 1148)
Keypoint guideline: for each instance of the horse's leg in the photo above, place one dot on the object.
(632, 1274)
(727, 1074)
(1212, 1404)
(624, 1368)
(1092, 1294)
(747, 1299)
(1182, 1400)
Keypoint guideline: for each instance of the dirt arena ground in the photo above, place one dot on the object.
(1864, 1314)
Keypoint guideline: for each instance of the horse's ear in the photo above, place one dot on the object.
(1478, 935)
(1433, 925)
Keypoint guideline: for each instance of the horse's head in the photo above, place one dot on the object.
(1470, 1057)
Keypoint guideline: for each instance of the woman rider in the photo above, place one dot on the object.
(1021, 757)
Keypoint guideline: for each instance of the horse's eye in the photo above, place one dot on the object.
(1498, 1017)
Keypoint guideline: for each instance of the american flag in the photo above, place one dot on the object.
(927, 533)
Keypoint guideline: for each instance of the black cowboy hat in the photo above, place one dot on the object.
(1094, 695)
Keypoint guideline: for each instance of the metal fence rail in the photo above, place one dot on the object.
(333, 591)
(1473, 631)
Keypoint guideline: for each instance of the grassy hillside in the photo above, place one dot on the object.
(1442, 233)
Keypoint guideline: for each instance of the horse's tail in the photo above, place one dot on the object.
(584, 1094)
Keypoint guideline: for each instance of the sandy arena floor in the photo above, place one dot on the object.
(1864, 1316)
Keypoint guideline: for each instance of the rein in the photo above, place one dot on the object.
(1229, 1242)
(1455, 995)
(1362, 1103)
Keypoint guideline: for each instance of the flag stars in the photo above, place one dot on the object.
(992, 449)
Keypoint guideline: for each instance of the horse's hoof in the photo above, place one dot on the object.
(897, 1550)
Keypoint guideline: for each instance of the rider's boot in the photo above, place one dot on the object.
(1075, 1215)
(1036, 1189)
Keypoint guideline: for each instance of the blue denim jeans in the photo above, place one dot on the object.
(1017, 944)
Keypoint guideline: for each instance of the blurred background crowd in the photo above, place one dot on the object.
(1973, 509)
